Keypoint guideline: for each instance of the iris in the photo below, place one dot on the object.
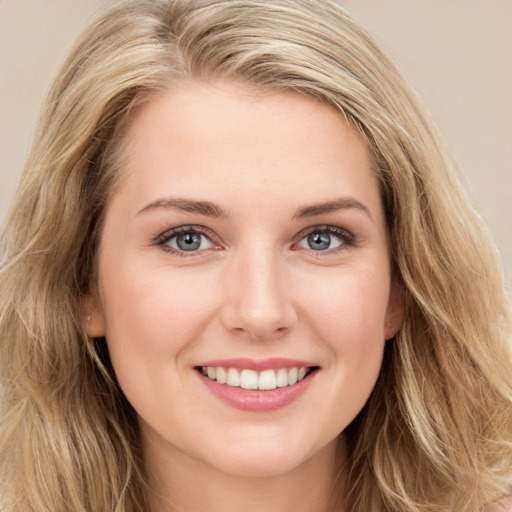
(319, 241)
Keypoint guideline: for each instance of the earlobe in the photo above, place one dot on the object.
(94, 317)
(395, 312)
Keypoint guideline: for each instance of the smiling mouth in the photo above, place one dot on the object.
(265, 380)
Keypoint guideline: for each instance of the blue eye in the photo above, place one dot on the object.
(326, 238)
(186, 240)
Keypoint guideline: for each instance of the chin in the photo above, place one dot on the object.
(260, 466)
(267, 458)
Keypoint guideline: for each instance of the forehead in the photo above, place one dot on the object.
(206, 140)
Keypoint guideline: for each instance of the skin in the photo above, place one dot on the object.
(255, 289)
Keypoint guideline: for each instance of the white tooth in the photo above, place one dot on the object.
(292, 376)
(221, 376)
(282, 378)
(248, 379)
(233, 377)
(211, 372)
(204, 370)
(302, 374)
(267, 380)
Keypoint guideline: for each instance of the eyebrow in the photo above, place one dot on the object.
(342, 203)
(187, 205)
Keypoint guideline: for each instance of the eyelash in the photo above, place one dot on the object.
(347, 239)
(164, 238)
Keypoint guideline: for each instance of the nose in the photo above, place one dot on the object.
(258, 301)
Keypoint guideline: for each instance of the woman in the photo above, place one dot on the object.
(239, 272)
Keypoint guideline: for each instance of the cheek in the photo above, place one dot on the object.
(350, 308)
(348, 315)
(158, 304)
(154, 321)
(153, 317)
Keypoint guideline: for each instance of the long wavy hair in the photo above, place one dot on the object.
(435, 435)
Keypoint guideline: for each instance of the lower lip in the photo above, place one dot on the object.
(256, 400)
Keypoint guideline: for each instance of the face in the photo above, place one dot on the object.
(244, 281)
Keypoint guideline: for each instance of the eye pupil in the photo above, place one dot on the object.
(188, 241)
(319, 241)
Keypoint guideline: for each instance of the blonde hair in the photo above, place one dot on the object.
(436, 434)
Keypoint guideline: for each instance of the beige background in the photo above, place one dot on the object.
(456, 53)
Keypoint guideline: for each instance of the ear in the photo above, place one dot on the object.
(395, 311)
(94, 317)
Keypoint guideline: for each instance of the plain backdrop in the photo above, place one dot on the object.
(456, 53)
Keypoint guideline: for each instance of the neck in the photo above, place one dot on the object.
(179, 483)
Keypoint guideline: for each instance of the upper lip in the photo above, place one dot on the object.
(258, 365)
